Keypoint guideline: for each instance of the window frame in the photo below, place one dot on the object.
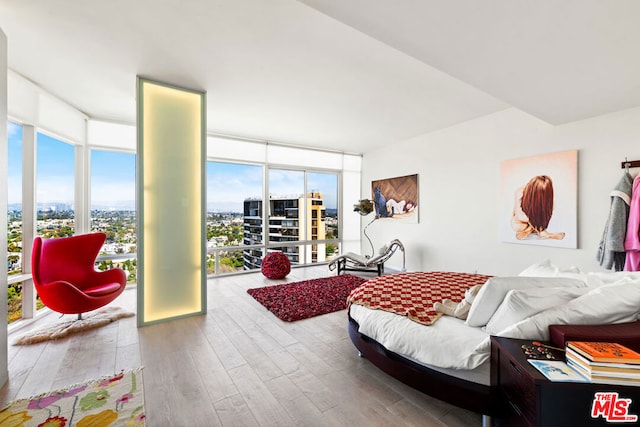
(264, 154)
(267, 245)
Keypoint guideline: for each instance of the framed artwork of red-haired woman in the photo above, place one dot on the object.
(539, 201)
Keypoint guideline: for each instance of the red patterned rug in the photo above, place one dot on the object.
(301, 300)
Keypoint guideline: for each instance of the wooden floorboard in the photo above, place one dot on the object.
(238, 365)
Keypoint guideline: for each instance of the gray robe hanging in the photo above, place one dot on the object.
(611, 253)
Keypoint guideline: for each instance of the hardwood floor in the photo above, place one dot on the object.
(237, 366)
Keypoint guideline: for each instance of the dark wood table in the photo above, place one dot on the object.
(528, 398)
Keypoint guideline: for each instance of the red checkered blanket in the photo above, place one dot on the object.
(413, 294)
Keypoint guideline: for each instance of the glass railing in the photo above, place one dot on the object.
(238, 259)
(127, 262)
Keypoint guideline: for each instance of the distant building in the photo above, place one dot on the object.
(286, 224)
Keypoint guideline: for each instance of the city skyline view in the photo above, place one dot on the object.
(113, 178)
(112, 181)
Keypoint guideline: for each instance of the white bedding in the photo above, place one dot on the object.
(448, 343)
(452, 346)
(479, 375)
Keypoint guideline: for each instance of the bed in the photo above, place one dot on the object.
(449, 359)
(380, 334)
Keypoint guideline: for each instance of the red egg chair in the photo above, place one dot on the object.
(65, 277)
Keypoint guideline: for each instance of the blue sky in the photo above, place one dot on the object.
(14, 133)
(228, 184)
(112, 173)
(113, 177)
(54, 170)
(113, 180)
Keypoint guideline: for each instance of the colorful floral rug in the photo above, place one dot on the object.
(301, 300)
(117, 400)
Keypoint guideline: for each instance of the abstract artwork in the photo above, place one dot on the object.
(396, 198)
(538, 200)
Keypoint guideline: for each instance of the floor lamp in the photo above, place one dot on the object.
(364, 207)
(373, 251)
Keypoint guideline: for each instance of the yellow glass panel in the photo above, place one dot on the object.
(171, 157)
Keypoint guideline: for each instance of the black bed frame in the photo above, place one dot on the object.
(465, 394)
(469, 395)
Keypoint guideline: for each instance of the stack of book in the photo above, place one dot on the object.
(604, 362)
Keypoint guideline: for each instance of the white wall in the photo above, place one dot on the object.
(458, 184)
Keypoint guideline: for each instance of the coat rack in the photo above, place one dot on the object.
(630, 164)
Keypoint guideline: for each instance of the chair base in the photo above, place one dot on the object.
(342, 267)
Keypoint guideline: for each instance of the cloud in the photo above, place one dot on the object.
(113, 192)
(233, 183)
(232, 191)
(14, 193)
(55, 189)
(14, 130)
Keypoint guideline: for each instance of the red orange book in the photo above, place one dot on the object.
(605, 352)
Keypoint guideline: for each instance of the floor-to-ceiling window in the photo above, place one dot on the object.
(286, 212)
(234, 216)
(296, 210)
(55, 168)
(303, 184)
(14, 220)
(323, 213)
(113, 208)
(14, 199)
(303, 208)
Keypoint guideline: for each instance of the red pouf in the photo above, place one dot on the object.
(275, 265)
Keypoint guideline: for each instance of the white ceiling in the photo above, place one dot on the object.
(346, 75)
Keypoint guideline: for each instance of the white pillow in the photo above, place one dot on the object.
(606, 278)
(614, 303)
(541, 269)
(547, 269)
(494, 290)
(519, 304)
